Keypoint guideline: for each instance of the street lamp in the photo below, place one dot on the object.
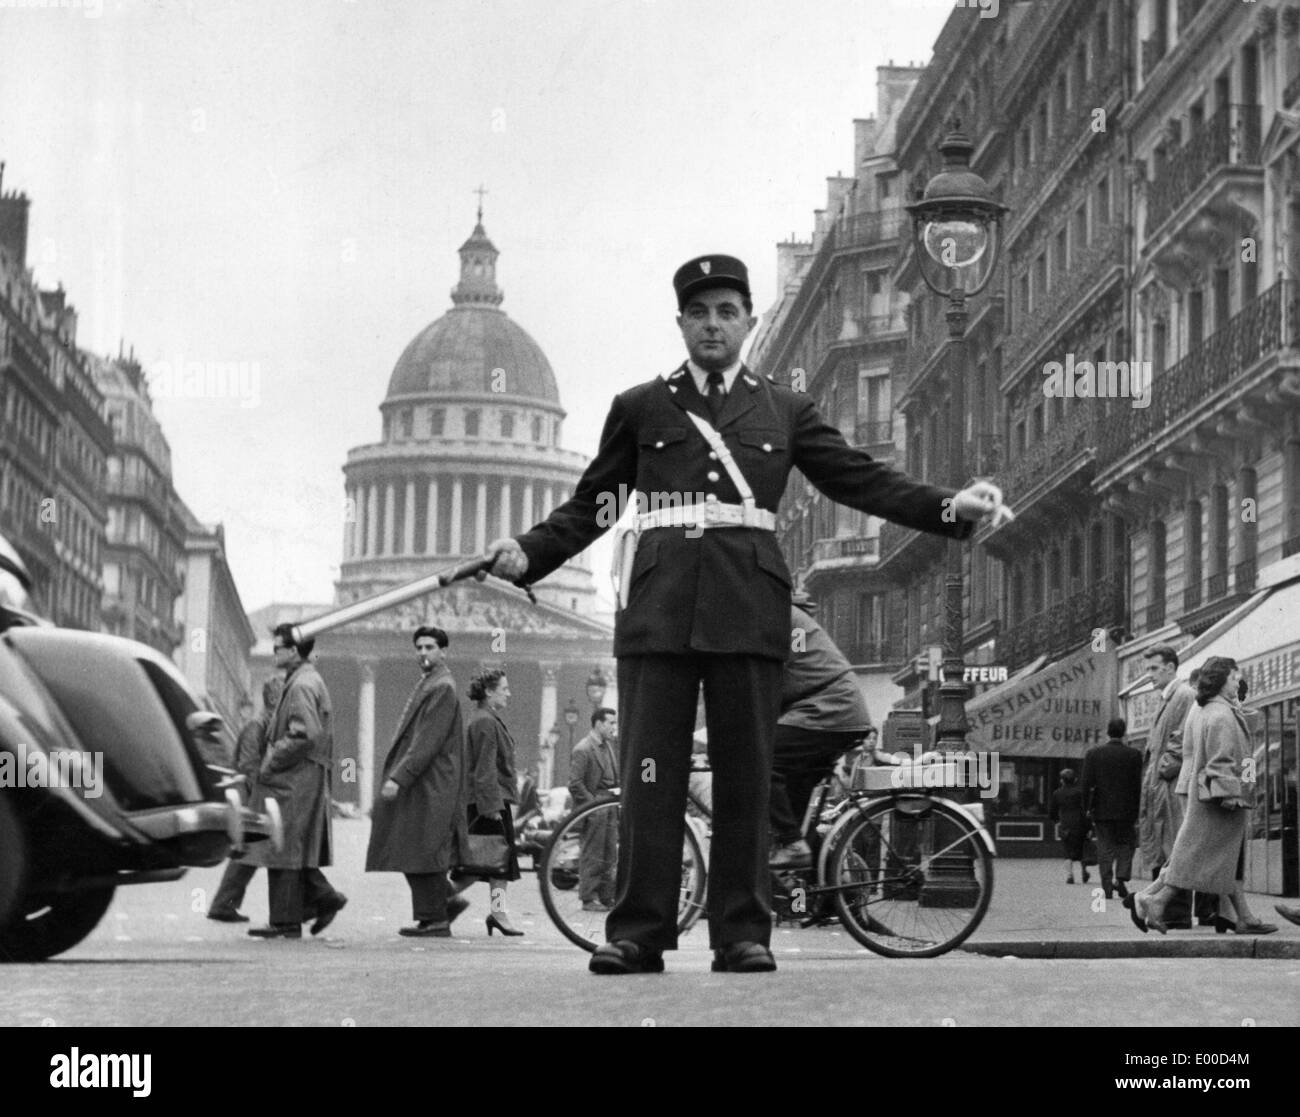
(571, 714)
(956, 228)
(596, 687)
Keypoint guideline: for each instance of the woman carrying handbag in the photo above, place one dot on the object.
(1207, 853)
(491, 757)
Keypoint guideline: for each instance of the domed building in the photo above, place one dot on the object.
(469, 451)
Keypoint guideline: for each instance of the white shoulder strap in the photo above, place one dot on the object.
(714, 439)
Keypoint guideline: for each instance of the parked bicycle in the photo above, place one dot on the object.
(909, 873)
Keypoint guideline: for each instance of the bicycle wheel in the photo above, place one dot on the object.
(914, 876)
(559, 874)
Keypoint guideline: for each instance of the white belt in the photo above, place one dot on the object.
(711, 514)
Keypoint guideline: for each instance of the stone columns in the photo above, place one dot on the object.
(372, 520)
(408, 524)
(457, 497)
(529, 518)
(366, 734)
(550, 715)
(504, 526)
(390, 519)
(480, 518)
(431, 520)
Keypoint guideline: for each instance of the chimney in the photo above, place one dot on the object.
(13, 223)
(837, 189)
(864, 141)
(789, 256)
(894, 85)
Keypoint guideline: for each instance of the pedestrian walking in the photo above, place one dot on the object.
(823, 715)
(249, 749)
(1161, 811)
(1072, 827)
(1208, 853)
(1112, 793)
(492, 788)
(296, 772)
(593, 774)
(417, 823)
(705, 600)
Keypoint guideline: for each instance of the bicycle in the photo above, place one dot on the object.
(909, 873)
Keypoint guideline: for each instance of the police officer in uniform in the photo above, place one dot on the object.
(707, 602)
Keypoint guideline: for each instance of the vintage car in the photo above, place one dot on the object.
(103, 776)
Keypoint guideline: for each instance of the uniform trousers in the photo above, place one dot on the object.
(294, 893)
(658, 696)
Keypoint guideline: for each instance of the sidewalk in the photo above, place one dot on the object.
(1035, 914)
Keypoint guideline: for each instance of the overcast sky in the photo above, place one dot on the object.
(286, 186)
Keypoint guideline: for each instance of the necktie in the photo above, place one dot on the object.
(715, 395)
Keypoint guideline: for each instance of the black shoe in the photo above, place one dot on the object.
(743, 957)
(500, 922)
(427, 930)
(1086, 877)
(227, 917)
(1122, 888)
(456, 907)
(625, 956)
(276, 931)
(1179, 924)
(326, 910)
(1138, 921)
(1108, 893)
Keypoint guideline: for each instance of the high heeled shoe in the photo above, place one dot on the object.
(1222, 926)
(494, 922)
(1141, 911)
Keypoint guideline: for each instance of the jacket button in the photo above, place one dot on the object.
(713, 476)
(767, 446)
(712, 456)
(711, 496)
(659, 445)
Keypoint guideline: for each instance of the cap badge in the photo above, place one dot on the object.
(706, 266)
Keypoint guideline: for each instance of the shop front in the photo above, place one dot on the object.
(1034, 726)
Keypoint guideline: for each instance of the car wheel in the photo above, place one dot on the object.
(13, 859)
(42, 927)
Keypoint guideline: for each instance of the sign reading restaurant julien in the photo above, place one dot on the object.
(1061, 710)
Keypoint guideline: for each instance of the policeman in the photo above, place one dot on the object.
(706, 601)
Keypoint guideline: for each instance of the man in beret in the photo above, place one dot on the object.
(706, 601)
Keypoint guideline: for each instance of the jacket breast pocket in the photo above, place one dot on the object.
(654, 439)
(763, 443)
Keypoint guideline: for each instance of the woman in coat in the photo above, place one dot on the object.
(491, 756)
(1067, 810)
(418, 818)
(1207, 853)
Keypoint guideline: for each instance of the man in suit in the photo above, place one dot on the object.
(1161, 811)
(418, 820)
(706, 601)
(1112, 794)
(296, 771)
(249, 748)
(593, 773)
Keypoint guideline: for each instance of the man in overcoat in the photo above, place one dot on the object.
(249, 749)
(296, 771)
(417, 825)
(1161, 810)
(707, 602)
(1112, 793)
(593, 772)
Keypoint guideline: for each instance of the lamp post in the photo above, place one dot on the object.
(597, 684)
(955, 227)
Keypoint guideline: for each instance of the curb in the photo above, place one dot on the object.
(1252, 947)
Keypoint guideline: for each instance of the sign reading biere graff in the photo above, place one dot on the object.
(1061, 710)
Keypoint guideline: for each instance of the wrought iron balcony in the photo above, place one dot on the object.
(854, 546)
(1261, 328)
(1065, 625)
(864, 230)
(1245, 576)
(1192, 595)
(1045, 457)
(985, 455)
(1231, 137)
(1156, 611)
(1216, 585)
(874, 432)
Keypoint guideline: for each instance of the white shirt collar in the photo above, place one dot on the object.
(701, 377)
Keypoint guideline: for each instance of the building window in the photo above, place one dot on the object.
(1101, 210)
(437, 421)
(537, 428)
(471, 424)
(407, 422)
(507, 424)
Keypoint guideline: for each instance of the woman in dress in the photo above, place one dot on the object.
(493, 790)
(1207, 853)
(1067, 810)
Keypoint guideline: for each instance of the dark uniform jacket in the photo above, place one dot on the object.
(724, 590)
(1112, 782)
(423, 829)
(296, 772)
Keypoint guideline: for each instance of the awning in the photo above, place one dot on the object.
(1268, 621)
(1058, 711)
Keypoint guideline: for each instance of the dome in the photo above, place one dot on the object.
(461, 353)
(457, 355)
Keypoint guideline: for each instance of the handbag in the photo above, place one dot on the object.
(485, 855)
